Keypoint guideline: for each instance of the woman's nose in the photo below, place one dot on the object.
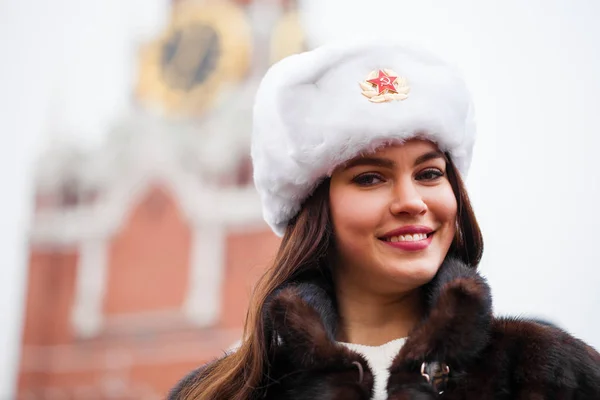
(406, 199)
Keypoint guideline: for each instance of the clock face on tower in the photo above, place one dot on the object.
(189, 56)
(205, 48)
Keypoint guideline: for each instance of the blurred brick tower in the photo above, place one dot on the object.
(143, 252)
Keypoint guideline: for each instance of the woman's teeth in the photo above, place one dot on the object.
(407, 238)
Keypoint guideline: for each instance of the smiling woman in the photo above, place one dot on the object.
(394, 215)
(374, 293)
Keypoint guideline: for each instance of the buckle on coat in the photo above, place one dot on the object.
(436, 374)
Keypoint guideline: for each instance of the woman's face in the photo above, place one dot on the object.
(393, 215)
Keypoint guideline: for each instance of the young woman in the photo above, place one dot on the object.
(358, 154)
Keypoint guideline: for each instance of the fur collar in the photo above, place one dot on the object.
(454, 331)
(458, 347)
(455, 327)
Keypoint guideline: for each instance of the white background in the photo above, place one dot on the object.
(533, 67)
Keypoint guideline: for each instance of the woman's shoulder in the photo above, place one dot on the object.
(537, 334)
(539, 351)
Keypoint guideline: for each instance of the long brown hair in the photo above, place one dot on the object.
(242, 375)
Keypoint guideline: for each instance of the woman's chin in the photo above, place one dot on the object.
(418, 272)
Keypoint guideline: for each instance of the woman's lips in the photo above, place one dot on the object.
(410, 242)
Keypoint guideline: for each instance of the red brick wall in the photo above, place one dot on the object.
(149, 258)
(247, 257)
(148, 268)
(50, 295)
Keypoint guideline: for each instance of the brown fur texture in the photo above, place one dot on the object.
(305, 351)
(488, 357)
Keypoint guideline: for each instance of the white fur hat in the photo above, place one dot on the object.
(316, 110)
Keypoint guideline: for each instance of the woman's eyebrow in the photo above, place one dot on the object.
(372, 161)
(387, 163)
(429, 156)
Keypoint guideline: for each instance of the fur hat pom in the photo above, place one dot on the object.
(316, 110)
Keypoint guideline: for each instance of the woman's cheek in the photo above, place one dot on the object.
(450, 203)
(362, 208)
(442, 202)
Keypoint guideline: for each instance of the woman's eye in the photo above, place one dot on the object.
(430, 174)
(368, 179)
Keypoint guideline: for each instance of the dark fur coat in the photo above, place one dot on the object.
(458, 351)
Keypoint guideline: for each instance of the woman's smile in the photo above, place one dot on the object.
(409, 237)
(411, 244)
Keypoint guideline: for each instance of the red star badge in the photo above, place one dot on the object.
(384, 82)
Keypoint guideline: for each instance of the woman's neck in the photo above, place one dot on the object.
(374, 319)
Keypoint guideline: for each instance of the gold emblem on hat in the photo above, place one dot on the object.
(384, 85)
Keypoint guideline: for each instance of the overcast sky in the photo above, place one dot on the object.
(532, 66)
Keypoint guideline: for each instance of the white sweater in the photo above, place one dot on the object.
(379, 358)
